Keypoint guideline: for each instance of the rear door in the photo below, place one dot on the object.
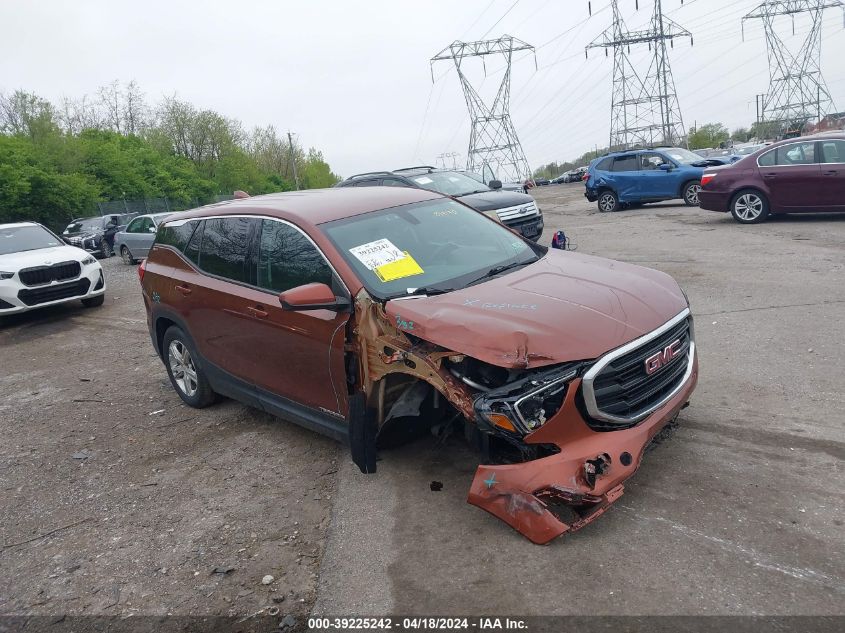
(625, 177)
(832, 181)
(794, 179)
(217, 301)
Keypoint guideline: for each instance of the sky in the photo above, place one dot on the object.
(353, 78)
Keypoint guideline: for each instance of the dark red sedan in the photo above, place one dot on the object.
(800, 175)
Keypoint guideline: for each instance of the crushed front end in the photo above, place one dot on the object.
(577, 431)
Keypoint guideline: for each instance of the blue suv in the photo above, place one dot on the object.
(644, 175)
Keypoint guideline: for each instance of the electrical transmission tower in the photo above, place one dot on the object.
(645, 110)
(493, 140)
(797, 91)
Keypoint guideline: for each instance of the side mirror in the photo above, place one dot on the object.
(312, 297)
(495, 184)
(665, 167)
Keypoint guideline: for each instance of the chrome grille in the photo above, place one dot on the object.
(520, 212)
(618, 390)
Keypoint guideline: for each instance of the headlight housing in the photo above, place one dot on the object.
(88, 261)
(5, 275)
(525, 405)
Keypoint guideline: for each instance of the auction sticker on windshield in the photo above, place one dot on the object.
(386, 260)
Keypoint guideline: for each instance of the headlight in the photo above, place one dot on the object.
(526, 405)
(4, 275)
(88, 261)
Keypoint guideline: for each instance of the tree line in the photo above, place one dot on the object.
(57, 160)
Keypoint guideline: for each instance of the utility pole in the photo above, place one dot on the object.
(644, 111)
(292, 160)
(493, 139)
(797, 91)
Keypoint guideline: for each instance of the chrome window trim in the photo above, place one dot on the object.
(256, 217)
(604, 361)
(775, 149)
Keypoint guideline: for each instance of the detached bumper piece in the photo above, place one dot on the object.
(542, 516)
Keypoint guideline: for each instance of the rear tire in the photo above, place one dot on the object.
(127, 256)
(608, 202)
(186, 376)
(749, 207)
(106, 249)
(94, 302)
(690, 193)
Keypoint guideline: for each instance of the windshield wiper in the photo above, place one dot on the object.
(427, 291)
(498, 270)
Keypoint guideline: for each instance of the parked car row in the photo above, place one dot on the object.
(799, 175)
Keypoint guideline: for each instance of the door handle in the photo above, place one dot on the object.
(831, 173)
(258, 312)
(769, 176)
(185, 290)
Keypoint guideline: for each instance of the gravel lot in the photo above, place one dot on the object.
(118, 500)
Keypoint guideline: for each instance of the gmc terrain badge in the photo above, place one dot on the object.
(661, 359)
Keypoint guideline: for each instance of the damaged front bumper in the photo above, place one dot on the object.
(547, 497)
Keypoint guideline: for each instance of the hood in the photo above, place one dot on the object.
(495, 200)
(41, 257)
(566, 307)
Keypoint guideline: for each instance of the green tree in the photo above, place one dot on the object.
(708, 135)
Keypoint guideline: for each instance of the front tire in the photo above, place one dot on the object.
(608, 202)
(186, 376)
(126, 255)
(749, 207)
(690, 193)
(94, 302)
(106, 249)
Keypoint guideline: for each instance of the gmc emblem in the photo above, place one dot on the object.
(661, 359)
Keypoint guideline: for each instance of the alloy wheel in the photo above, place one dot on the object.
(692, 194)
(607, 202)
(182, 367)
(126, 255)
(748, 207)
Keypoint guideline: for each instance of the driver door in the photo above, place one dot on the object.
(296, 355)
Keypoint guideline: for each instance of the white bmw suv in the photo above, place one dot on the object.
(38, 269)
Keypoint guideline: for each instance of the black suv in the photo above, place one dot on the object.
(96, 234)
(517, 211)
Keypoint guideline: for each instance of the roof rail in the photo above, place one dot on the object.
(371, 173)
(429, 167)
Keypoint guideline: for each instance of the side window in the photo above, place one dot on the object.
(798, 154)
(146, 225)
(833, 151)
(225, 249)
(767, 159)
(134, 226)
(192, 251)
(176, 234)
(393, 182)
(606, 164)
(626, 163)
(651, 161)
(288, 259)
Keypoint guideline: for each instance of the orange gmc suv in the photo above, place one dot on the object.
(359, 311)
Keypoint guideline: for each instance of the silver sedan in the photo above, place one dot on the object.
(134, 242)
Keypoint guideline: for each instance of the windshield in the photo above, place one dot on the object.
(25, 238)
(681, 155)
(450, 183)
(85, 225)
(426, 247)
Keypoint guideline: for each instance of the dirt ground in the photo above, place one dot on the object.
(118, 500)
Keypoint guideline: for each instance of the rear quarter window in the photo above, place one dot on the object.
(177, 234)
(605, 164)
(767, 159)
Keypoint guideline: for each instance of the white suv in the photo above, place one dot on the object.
(38, 269)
